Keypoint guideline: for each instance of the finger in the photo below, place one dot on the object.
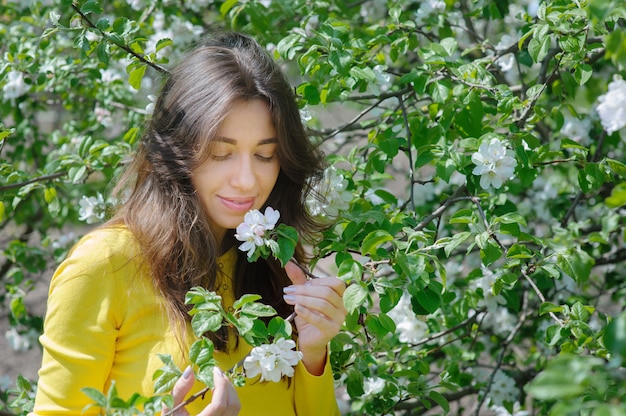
(295, 274)
(180, 390)
(225, 400)
(316, 295)
(328, 325)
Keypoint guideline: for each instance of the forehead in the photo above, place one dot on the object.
(249, 120)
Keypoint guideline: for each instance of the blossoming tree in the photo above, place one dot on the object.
(476, 189)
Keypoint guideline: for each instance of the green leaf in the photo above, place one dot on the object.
(287, 241)
(136, 75)
(205, 321)
(247, 298)
(576, 263)
(539, 45)
(548, 307)
(258, 309)
(373, 240)
(165, 377)
(565, 377)
(364, 73)
(583, 73)
(91, 6)
(617, 197)
(226, 6)
(162, 43)
(354, 296)
(615, 337)
(201, 352)
(96, 395)
(440, 400)
(428, 299)
(455, 241)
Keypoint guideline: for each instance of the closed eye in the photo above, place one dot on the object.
(265, 159)
(220, 157)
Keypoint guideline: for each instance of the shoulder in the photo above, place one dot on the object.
(109, 250)
(106, 244)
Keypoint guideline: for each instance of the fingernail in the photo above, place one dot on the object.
(289, 289)
(289, 298)
(187, 372)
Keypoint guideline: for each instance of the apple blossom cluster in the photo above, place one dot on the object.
(494, 163)
(503, 388)
(253, 230)
(612, 107)
(272, 361)
(372, 386)
(409, 327)
(330, 196)
(429, 8)
(92, 209)
(15, 85)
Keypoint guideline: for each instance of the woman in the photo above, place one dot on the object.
(225, 137)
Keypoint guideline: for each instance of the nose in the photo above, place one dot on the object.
(243, 177)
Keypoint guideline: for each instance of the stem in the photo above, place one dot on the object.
(231, 370)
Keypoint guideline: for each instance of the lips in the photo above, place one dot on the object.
(237, 204)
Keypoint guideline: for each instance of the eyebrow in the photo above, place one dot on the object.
(228, 140)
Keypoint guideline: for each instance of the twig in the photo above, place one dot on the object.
(539, 294)
(581, 194)
(407, 128)
(33, 180)
(122, 46)
(439, 211)
(504, 347)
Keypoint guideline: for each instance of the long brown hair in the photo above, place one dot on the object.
(163, 210)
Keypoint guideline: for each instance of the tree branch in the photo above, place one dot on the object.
(439, 211)
(122, 46)
(33, 180)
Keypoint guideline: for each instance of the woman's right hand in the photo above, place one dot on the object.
(225, 401)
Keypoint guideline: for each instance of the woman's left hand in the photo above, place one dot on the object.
(320, 312)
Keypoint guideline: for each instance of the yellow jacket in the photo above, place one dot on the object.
(105, 321)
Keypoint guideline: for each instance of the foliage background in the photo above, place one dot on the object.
(462, 300)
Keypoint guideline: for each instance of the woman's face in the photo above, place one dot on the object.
(243, 166)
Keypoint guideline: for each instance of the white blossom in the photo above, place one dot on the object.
(373, 385)
(103, 116)
(272, 361)
(428, 8)
(506, 62)
(494, 163)
(409, 327)
(305, 115)
(91, 209)
(503, 389)
(486, 282)
(15, 86)
(502, 411)
(136, 4)
(177, 29)
(54, 17)
(252, 230)
(330, 195)
(21, 341)
(576, 129)
(150, 106)
(612, 107)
